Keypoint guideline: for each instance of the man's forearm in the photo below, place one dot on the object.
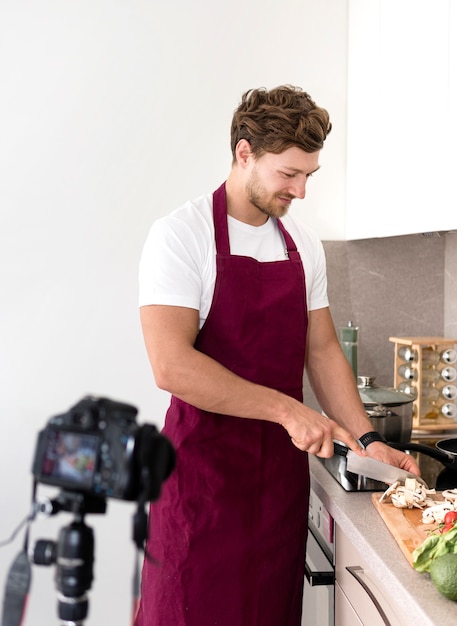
(335, 388)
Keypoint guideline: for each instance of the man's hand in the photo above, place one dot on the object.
(386, 454)
(315, 433)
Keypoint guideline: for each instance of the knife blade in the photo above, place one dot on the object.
(377, 470)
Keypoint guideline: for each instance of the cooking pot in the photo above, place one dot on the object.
(390, 411)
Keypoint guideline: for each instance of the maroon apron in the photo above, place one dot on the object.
(229, 530)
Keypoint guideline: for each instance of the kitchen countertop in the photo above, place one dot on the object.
(414, 593)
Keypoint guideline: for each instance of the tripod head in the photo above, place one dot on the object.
(73, 555)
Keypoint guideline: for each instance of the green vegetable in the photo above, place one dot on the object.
(433, 547)
(443, 572)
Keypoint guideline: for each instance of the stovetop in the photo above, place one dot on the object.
(432, 471)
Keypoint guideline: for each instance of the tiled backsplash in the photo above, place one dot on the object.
(450, 286)
(395, 286)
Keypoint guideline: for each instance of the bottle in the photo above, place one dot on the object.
(449, 356)
(348, 340)
(433, 394)
(408, 388)
(449, 410)
(449, 392)
(430, 357)
(407, 372)
(407, 354)
(430, 375)
(431, 412)
(430, 394)
(449, 374)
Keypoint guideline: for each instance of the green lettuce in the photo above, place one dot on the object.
(433, 547)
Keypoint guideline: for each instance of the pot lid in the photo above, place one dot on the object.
(372, 394)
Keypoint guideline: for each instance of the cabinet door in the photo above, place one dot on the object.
(399, 142)
(345, 614)
(453, 78)
(361, 588)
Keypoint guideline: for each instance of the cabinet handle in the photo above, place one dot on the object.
(319, 578)
(358, 572)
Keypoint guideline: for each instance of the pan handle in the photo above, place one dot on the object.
(447, 460)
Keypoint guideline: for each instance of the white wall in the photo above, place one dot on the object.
(112, 113)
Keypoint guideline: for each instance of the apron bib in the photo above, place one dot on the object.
(229, 530)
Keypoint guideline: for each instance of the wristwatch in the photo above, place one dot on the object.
(370, 437)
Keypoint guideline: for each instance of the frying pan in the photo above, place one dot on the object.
(444, 451)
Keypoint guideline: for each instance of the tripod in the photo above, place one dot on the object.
(73, 554)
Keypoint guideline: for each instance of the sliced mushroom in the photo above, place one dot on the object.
(388, 492)
(450, 494)
(436, 513)
(410, 495)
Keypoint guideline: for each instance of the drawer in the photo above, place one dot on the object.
(344, 611)
(363, 590)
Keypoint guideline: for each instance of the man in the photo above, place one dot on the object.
(234, 308)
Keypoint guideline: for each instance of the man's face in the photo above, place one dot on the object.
(276, 179)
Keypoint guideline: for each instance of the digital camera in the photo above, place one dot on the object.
(97, 448)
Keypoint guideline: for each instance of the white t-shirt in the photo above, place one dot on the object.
(178, 263)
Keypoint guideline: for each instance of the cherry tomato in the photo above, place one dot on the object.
(450, 517)
(446, 528)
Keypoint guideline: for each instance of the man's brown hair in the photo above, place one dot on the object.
(275, 120)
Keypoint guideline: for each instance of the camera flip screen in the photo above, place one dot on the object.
(70, 457)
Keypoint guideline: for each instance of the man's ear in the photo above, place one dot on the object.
(243, 152)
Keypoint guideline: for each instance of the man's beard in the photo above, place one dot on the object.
(266, 203)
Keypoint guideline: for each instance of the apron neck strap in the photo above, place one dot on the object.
(290, 243)
(220, 221)
(221, 225)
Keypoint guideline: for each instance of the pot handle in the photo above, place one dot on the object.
(448, 460)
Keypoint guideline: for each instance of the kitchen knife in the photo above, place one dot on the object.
(377, 470)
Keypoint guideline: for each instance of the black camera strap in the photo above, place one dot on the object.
(136, 586)
(17, 589)
(18, 581)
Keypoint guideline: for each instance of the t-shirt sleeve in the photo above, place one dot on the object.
(169, 271)
(317, 296)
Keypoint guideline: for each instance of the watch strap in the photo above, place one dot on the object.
(371, 437)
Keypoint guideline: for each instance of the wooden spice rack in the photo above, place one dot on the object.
(424, 371)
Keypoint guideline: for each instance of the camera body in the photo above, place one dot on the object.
(97, 448)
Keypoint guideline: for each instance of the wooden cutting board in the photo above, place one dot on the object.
(405, 525)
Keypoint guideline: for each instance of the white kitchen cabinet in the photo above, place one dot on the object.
(453, 80)
(345, 612)
(360, 597)
(401, 104)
